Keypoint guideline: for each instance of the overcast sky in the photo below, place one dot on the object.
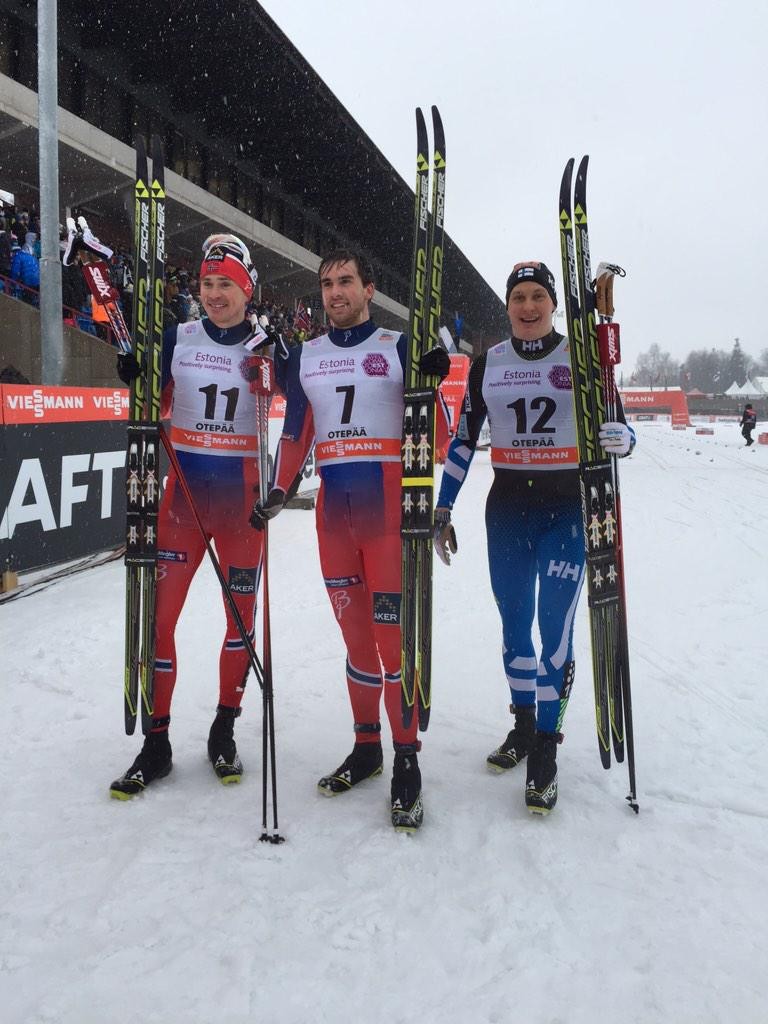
(669, 100)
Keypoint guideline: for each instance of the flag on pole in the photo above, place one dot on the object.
(301, 319)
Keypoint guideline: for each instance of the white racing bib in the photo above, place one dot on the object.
(357, 398)
(214, 410)
(530, 409)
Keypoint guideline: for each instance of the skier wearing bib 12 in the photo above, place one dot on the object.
(207, 366)
(533, 516)
(344, 391)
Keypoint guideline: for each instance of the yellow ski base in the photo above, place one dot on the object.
(117, 795)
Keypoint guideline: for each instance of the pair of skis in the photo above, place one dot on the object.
(143, 442)
(594, 352)
(143, 453)
(418, 437)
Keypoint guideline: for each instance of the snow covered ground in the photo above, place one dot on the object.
(168, 909)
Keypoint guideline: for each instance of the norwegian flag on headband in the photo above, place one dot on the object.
(301, 318)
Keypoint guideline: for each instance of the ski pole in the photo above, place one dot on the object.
(264, 389)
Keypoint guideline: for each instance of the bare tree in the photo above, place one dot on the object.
(656, 369)
(707, 370)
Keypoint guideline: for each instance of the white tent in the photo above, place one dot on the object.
(751, 390)
(746, 390)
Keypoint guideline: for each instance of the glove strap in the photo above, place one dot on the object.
(442, 517)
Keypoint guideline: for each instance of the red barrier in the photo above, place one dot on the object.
(671, 400)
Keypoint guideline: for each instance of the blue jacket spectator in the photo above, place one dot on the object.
(25, 267)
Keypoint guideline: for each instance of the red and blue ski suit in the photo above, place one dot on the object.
(213, 431)
(344, 392)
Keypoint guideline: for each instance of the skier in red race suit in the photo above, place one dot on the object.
(208, 366)
(344, 392)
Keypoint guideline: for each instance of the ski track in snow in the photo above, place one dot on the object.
(168, 909)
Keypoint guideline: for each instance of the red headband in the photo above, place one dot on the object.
(227, 266)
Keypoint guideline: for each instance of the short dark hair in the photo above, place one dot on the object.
(332, 259)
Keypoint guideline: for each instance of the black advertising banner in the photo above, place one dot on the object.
(62, 473)
(62, 491)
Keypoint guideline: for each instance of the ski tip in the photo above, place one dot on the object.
(565, 187)
(583, 166)
(420, 122)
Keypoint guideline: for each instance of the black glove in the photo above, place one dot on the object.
(264, 511)
(128, 368)
(436, 363)
(276, 339)
(444, 536)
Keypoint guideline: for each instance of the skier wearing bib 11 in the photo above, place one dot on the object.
(533, 516)
(344, 391)
(207, 367)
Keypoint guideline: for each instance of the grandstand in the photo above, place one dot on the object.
(254, 141)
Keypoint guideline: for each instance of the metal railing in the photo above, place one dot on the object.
(79, 318)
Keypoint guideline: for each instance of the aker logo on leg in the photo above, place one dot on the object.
(386, 609)
(242, 581)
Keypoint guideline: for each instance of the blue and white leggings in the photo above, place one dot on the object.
(532, 540)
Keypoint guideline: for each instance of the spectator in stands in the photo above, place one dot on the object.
(176, 302)
(10, 375)
(100, 320)
(748, 423)
(25, 269)
(20, 224)
(5, 249)
(74, 290)
(185, 294)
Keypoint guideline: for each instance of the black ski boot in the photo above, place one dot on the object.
(518, 743)
(407, 806)
(153, 762)
(222, 752)
(365, 762)
(541, 779)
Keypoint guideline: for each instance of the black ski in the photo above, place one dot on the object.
(85, 248)
(142, 470)
(598, 477)
(610, 356)
(418, 438)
